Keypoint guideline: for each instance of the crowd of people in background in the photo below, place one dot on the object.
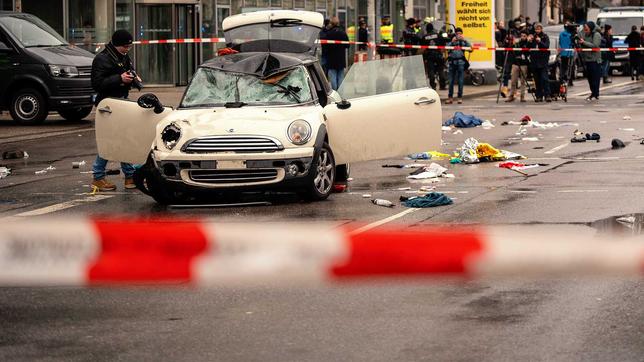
(446, 69)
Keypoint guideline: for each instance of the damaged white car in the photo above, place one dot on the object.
(266, 117)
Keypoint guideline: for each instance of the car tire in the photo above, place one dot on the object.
(321, 176)
(75, 114)
(160, 192)
(28, 106)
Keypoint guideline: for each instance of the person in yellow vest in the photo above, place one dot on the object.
(387, 37)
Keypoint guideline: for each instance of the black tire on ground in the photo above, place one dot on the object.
(75, 114)
(28, 106)
(321, 176)
(477, 78)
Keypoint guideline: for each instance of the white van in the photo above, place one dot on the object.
(621, 19)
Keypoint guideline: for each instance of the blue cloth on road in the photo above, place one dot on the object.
(432, 199)
(463, 121)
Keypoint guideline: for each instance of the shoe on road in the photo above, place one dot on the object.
(460, 101)
(103, 185)
(129, 183)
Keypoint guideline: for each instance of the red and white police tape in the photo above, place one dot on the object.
(391, 45)
(89, 252)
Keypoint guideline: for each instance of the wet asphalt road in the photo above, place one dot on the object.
(510, 319)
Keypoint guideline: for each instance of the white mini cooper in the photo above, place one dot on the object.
(266, 117)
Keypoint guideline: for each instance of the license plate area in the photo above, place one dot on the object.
(234, 165)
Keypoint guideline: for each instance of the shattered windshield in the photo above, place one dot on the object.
(211, 87)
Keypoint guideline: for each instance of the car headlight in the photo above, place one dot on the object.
(170, 136)
(66, 71)
(299, 132)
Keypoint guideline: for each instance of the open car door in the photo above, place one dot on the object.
(125, 131)
(392, 113)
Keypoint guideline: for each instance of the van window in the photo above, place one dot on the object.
(31, 31)
(622, 26)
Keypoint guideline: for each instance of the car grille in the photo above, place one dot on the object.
(239, 144)
(84, 72)
(233, 176)
(74, 90)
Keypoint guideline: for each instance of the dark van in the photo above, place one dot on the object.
(40, 72)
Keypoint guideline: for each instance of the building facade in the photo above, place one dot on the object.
(87, 23)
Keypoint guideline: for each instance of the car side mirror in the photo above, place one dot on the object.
(149, 100)
(344, 104)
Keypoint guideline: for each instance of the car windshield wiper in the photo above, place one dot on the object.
(235, 104)
(290, 90)
(44, 46)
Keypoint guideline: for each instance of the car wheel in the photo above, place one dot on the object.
(28, 106)
(322, 175)
(75, 114)
(477, 78)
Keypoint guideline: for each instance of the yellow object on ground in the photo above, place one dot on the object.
(486, 150)
(437, 155)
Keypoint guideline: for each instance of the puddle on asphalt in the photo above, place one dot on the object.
(630, 224)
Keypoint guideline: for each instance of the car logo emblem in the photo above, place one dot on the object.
(232, 130)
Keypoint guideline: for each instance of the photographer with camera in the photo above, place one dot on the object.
(539, 62)
(591, 38)
(113, 76)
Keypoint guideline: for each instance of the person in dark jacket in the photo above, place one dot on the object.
(539, 62)
(434, 59)
(410, 36)
(519, 65)
(363, 36)
(324, 57)
(607, 57)
(336, 53)
(634, 40)
(113, 77)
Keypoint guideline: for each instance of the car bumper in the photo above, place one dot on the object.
(236, 171)
(71, 93)
(58, 103)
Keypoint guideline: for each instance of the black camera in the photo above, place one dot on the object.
(135, 82)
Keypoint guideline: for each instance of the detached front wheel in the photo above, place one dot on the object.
(322, 175)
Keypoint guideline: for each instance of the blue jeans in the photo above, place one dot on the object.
(593, 73)
(605, 68)
(98, 168)
(456, 74)
(335, 77)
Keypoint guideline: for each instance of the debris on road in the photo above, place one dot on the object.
(530, 139)
(50, 168)
(41, 172)
(433, 171)
(429, 155)
(4, 172)
(627, 129)
(518, 166)
(593, 137)
(15, 154)
(458, 131)
(78, 164)
(366, 196)
(617, 143)
(627, 118)
(409, 165)
(433, 199)
(446, 128)
(487, 125)
(381, 202)
(461, 120)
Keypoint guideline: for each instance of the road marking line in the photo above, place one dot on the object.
(580, 191)
(523, 192)
(61, 206)
(560, 147)
(382, 222)
(596, 158)
(608, 87)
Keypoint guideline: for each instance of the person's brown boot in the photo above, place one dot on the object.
(460, 101)
(103, 185)
(449, 101)
(129, 183)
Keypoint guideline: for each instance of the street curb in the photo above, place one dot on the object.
(476, 94)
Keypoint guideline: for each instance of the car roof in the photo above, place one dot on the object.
(266, 16)
(261, 64)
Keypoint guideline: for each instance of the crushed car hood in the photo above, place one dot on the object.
(262, 65)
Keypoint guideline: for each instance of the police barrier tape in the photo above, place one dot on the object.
(122, 251)
(389, 45)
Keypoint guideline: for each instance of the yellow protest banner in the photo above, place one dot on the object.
(476, 18)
